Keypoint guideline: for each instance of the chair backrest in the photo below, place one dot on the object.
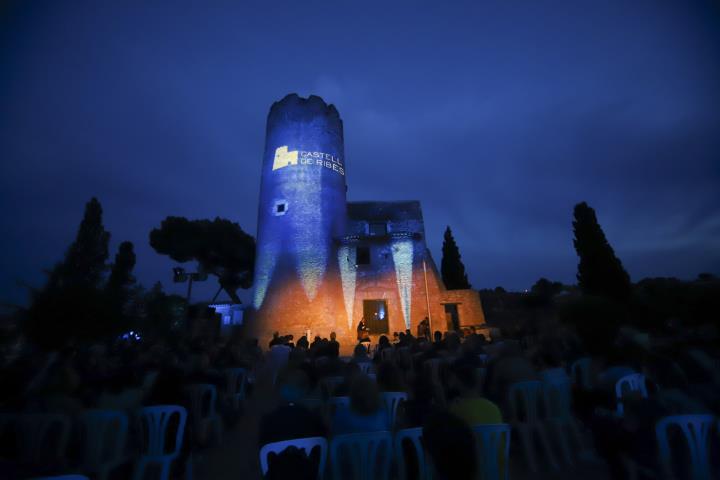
(635, 382)
(411, 437)
(493, 450)
(365, 367)
(361, 456)
(524, 399)
(333, 404)
(695, 430)
(580, 372)
(41, 436)
(557, 394)
(105, 434)
(154, 422)
(484, 357)
(329, 384)
(235, 381)
(202, 398)
(305, 444)
(391, 401)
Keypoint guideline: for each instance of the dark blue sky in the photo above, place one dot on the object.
(499, 116)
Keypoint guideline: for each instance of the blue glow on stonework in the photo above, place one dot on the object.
(402, 252)
(347, 258)
(308, 231)
(264, 268)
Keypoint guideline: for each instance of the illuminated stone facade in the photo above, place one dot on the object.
(323, 263)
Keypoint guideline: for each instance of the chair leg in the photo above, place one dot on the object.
(527, 444)
(545, 441)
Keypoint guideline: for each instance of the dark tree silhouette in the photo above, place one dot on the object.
(452, 268)
(85, 261)
(220, 247)
(600, 272)
(73, 303)
(121, 281)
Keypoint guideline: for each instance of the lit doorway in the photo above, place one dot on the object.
(375, 315)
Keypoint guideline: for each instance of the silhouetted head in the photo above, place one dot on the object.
(364, 395)
(451, 446)
(333, 336)
(437, 335)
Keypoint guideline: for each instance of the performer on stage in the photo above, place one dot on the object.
(362, 332)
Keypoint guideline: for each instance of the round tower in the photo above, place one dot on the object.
(301, 215)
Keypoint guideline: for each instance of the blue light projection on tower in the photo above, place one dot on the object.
(302, 210)
(347, 260)
(402, 253)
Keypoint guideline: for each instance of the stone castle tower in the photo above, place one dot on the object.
(323, 263)
(302, 210)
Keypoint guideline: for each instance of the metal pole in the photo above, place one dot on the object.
(190, 279)
(427, 299)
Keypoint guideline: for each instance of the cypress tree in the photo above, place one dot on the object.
(600, 272)
(452, 268)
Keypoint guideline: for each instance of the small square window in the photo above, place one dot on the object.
(363, 256)
(378, 229)
(280, 207)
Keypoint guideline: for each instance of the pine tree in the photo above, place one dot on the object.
(600, 272)
(85, 261)
(452, 268)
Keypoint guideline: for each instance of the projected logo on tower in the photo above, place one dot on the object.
(285, 158)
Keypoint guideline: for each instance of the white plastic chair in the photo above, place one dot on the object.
(524, 400)
(368, 456)
(305, 444)
(695, 430)
(484, 357)
(203, 397)
(493, 448)
(557, 394)
(235, 386)
(105, 435)
(392, 400)
(635, 382)
(412, 437)
(155, 422)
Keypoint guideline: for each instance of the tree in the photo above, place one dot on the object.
(85, 261)
(452, 268)
(220, 247)
(600, 272)
(73, 305)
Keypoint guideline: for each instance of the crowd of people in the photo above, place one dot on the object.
(452, 382)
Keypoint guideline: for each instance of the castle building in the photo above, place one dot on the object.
(323, 263)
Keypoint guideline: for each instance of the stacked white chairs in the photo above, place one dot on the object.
(104, 441)
(411, 437)
(695, 431)
(524, 400)
(492, 444)
(634, 382)
(205, 420)
(361, 456)
(154, 424)
(305, 444)
(580, 373)
(42, 438)
(391, 401)
(235, 379)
